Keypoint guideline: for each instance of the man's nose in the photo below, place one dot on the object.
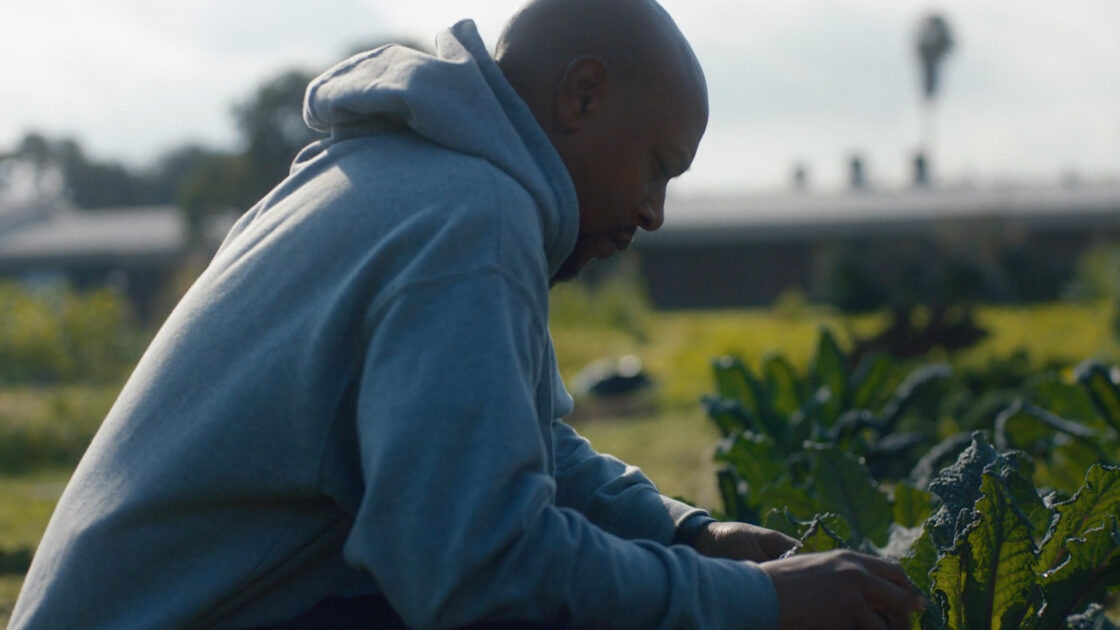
(652, 214)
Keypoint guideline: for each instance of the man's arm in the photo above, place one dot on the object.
(615, 496)
(621, 500)
(845, 585)
(460, 522)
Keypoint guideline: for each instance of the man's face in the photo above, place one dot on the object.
(622, 163)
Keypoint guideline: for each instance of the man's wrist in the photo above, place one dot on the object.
(690, 528)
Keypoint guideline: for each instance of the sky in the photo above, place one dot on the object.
(1031, 92)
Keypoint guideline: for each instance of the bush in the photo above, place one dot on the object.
(43, 428)
(59, 334)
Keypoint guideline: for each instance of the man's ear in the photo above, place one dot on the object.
(580, 93)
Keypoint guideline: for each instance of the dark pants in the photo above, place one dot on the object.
(372, 612)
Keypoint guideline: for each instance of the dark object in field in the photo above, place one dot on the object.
(605, 378)
(15, 562)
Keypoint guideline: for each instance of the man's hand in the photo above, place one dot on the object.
(741, 541)
(842, 590)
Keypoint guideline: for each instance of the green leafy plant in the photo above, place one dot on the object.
(997, 555)
(783, 431)
(1020, 526)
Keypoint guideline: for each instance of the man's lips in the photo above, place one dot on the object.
(622, 241)
(612, 244)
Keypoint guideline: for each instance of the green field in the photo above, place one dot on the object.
(672, 443)
(44, 429)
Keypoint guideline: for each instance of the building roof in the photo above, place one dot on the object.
(59, 235)
(815, 215)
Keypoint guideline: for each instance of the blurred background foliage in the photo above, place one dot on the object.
(57, 335)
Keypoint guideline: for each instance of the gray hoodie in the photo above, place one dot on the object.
(359, 395)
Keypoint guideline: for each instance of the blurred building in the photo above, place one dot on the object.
(135, 250)
(856, 249)
(1012, 244)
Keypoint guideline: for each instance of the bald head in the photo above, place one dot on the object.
(636, 40)
(618, 91)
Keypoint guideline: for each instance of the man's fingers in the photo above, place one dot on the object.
(889, 570)
(890, 600)
(777, 543)
(851, 588)
(869, 620)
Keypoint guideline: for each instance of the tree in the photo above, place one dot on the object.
(272, 129)
(86, 183)
(216, 183)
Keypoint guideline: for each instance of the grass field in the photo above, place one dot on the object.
(44, 430)
(26, 502)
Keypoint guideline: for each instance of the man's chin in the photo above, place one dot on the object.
(562, 275)
(569, 270)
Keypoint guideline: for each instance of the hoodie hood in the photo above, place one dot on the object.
(458, 99)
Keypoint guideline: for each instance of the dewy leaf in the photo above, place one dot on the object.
(752, 455)
(783, 494)
(1064, 467)
(1067, 400)
(869, 378)
(803, 421)
(1092, 566)
(917, 382)
(734, 494)
(780, 519)
(1033, 429)
(829, 372)
(889, 456)
(1093, 505)
(782, 385)
(844, 486)
(911, 505)
(735, 381)
(947, 586)
(900, 540)
(852, 422)
(998, 561)
(1104, 393)
(1024, 496)
(959, 489)
(821, 537)
(783, 520)
(944, 451)
(727, 414)
(919, 561)
(836, 525)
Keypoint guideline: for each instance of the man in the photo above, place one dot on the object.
(353, 418)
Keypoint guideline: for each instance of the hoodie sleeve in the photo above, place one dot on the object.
(459, 520)
(613, 495)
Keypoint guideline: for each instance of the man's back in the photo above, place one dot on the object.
(227, 478)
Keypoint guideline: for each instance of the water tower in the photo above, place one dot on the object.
(934, 43)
